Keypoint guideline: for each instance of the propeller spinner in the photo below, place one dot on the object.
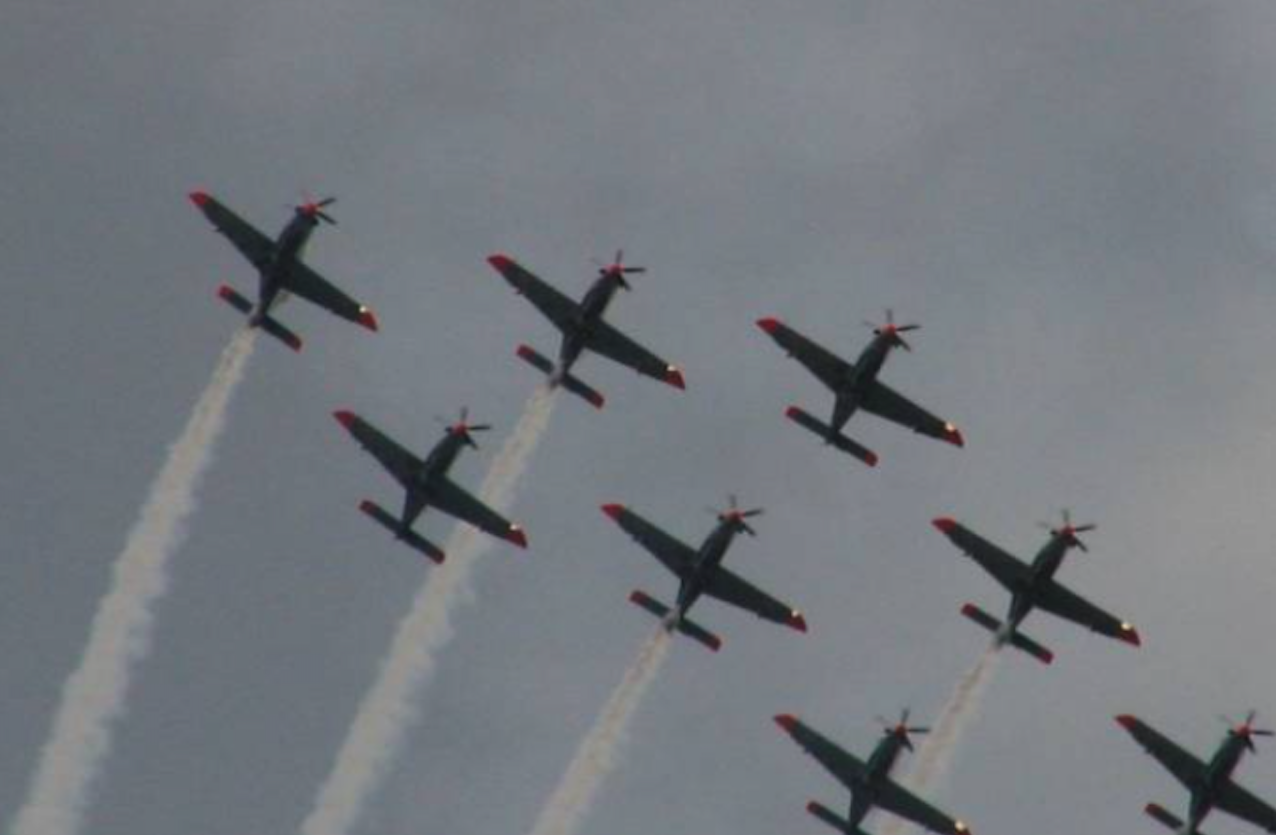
(1069, 531)
(735, 515)
(463, 427)
(902, 729)
(315, 208)
(892, 331)
(618, 269)
(1246, 730)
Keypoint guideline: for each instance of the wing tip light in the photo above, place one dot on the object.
(953, 435)
(796, 621)
(673, 376)
(1130, 635)
(517, 535)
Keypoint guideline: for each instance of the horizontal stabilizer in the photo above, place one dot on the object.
(1162, 816)
(419, 543)
(269, 325)
(1016, 638)
(684, 625)
(826, 432)
(567, 381)
(832, 819)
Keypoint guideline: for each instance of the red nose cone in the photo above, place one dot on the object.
(199, 198)
(1127, 721)
(345, 418)
(769, 325)
(797, 621)
(945, 524)
(517, 536)
(787, 721)
(614, 510)
(674, 377)
(368, 319)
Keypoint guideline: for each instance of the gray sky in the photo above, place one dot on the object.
(1074, 198)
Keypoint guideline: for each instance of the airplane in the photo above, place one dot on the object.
(427, 485)
(1210, 783)
(1033, 586)
(279, 267)
(869, 782)
(583, 327)
(855, 386)
(700, 571)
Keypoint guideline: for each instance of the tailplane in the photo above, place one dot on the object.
(1014, 637)
(1161, 815)
(683, 624)
(419, 543)
(268, 324)
(567, 381)
(832, 819)
(837, 439)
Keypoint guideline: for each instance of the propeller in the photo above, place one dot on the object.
(1068, 530)
(901, 728)
(618, 269)
(735, 515)
(315, 208)
(464, 427)
(892, 331)
(1246, 730)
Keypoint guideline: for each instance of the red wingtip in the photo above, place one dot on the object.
(499, 262)
(674, 377)
(1130, 635)
(368, 319)
(517, 536)
(345, 417)
(796, 621)
(769, 324)
(953, 435)
(946, 526)
(199, 198)
(614, 511)
(1127, 721)
(787, 721)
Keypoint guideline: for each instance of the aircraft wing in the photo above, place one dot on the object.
(829, 368)
(250, 242)
(733, 589)
(676, 556)
(895, 798)
(846, 767)
(451, 498)
(305, 282)
(1239, 802)
(1004, 568)
(1185, 767)
(611, 343)
(402, 464)
(885, 402)
(557, 308)
(1061, 601)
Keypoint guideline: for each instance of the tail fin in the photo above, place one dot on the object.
(419, 543)
(268, 324)
(572, 384)
(837, 439)
(1015, 638)
(684, 625)
(1162, 816)
(832, 819)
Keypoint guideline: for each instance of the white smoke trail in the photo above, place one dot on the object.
(596, 756)
(120, 636)
(389, 708)
(935, 755)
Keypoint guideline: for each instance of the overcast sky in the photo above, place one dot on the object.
(1075, 197)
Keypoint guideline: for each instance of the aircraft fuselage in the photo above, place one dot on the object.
(878, 768)
(861, 377)
(289, 245)
(436, 464)
(1044, 566)
(591, 310)
(1217, 774)
(708, 558)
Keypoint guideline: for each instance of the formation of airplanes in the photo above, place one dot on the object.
(699, 570)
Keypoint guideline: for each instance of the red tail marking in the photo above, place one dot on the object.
(615, 511)
(947, 526)
(787, 721)
(346, 418)
(199, 198)
(770, 325)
